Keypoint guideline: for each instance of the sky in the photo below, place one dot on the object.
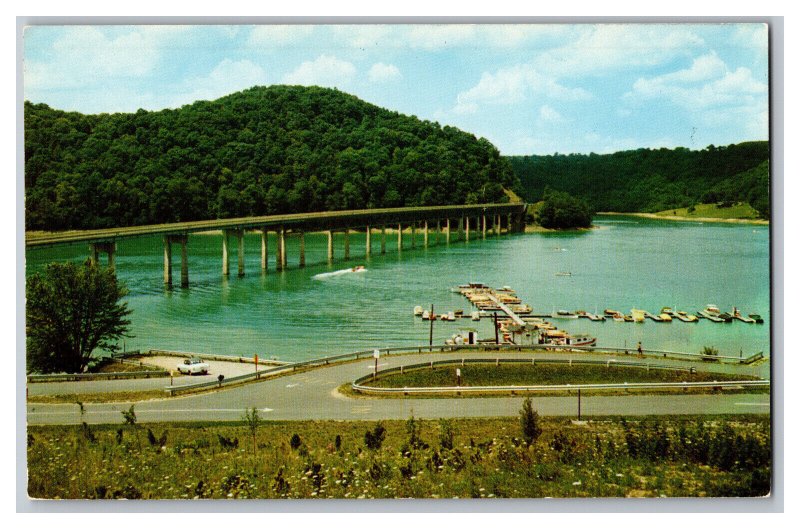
(529, 89)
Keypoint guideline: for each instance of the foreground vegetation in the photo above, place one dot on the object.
(263, 151)
(465, 458)
(652, 180)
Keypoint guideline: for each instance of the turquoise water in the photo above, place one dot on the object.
(625, 263)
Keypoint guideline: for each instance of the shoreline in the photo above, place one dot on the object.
(680, 218)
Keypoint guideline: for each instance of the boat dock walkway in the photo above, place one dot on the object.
(510, 313)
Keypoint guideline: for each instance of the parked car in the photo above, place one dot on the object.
(192, 366)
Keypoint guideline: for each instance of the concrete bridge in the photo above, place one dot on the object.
(437, 222)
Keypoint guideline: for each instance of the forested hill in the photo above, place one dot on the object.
(647, 180)
(266, 150)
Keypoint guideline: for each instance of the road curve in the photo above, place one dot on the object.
(312, 395)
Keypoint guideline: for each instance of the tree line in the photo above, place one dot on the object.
(262, 151)
(651, 180)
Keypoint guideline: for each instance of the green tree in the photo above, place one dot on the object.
(253, 421)
(529, 422)
(72, 311)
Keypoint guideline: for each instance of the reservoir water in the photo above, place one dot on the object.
(626, 262)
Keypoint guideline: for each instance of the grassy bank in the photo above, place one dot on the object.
(541, 373)
(738, 213)
(465, 458)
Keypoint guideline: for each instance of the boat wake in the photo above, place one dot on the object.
(327, 275)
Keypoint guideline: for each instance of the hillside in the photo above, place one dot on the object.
(648, 181)
(266, 150)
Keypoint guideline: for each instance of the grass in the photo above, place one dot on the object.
(545, 374)
(465, 458)
(541, 373)
(95, 398)
(741, 210)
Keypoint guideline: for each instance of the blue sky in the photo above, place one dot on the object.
(529, 89)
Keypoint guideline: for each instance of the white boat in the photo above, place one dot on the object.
(451, 316)
(638, 315)
(476, 316)
(418, 310)
(426, 315)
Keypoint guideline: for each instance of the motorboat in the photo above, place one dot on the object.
(756, 317)
(418, 310)
(637, 315)
(564, 314)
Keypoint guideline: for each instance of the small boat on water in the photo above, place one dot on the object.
(418, 310)
(476, 316)
(665, 317)
(595, 317)
(712, 309)
(738, 315)
(618, 317)
(727, 317)
(686, 317)
(563, 274)
(565, 314)
(637, 315)
(611, 312)
(668, 311)
(709, 316)
(652, 316)
(756, 317)
(426, 315)
(358, 268)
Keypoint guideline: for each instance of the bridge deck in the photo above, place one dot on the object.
(299, 221)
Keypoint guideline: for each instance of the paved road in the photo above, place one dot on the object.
(313, 395)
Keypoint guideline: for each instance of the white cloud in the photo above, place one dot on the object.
(364, 36)
(227, 77)
(325, 70)
(437, 36)
(716, 96)
(86, 55)
(271, 36)
(381, 72)
(549, 114)
(513, 85)
(602, 48)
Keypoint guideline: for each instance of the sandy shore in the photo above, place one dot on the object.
(687, 219)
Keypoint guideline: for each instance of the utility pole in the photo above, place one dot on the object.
(496, 334)
(430, 335)
(579, 404)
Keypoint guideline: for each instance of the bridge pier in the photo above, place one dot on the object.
(225, 259)
(264, 249)
(330, 246)
(461, 228)
(447, 230)
(466, 220)
(168, 240)
(399, 237)
(282, 247)
(107, 247)
(240, 240)
(425, 233)
(383, 239)
(368, 250)
(414, 234)
(302, 262)
(347, 244)
(483, 225)
(497, 225)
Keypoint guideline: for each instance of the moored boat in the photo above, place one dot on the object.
(418, 310)
(637, 315)
(565, 314)
(756, 317)
(686, 317)
(709, 316)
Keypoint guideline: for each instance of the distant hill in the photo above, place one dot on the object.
(266, 150)
(648, 180)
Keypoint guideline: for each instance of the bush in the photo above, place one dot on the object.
(529, 422)
(374, 439)
(295, 441)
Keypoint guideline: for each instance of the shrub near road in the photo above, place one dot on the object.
(465, 458)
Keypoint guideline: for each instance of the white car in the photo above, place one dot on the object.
(193, 366)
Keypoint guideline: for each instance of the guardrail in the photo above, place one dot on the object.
(293, 366)
(357, 385)
(67, 377)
